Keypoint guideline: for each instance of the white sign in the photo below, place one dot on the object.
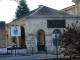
(15, 31)
(53, 35)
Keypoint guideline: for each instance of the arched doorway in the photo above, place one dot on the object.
(56, 31)
(22, 37)
(41, 40)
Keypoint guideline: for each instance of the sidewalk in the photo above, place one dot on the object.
(28, 57)
(2, 56)
(34, 55)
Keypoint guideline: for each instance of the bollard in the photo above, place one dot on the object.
(15, 49)
(7, 50)
(32, 50)
(46, 50)
(11, 51)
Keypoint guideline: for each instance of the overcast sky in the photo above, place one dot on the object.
(8, 7)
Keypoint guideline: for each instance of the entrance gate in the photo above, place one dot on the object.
(41, 40)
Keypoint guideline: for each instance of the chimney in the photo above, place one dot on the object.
(40, 5)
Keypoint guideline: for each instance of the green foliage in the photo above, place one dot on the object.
(22, 9)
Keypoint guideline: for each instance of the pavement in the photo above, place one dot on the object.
(34, 55)
(29, 57)
(40, 55)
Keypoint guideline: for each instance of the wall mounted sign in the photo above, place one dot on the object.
(56, 23)
(15, 31)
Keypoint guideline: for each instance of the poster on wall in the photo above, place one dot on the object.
(15, 31)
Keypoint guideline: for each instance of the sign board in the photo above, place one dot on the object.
(56, 24)
(55, 35)
(15, 31)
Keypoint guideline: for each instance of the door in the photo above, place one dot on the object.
(41, 40)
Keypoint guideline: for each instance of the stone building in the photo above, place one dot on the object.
(3, 49)
(74, 9)
(39, 26)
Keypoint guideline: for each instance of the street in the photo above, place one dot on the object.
(32, 57)
(18, 58)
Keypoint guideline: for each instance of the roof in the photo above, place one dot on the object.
(68, 8)
(47, 12)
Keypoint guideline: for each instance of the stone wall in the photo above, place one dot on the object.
(36, 24)
(33, 25)
(31, 44)
(74, 9)
(70, 10)
(2, 35)
(3, 48)
(77, 7)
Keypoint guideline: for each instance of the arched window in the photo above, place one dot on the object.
(56, 31)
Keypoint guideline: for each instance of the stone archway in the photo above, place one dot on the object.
(41, 40)
(22, 37)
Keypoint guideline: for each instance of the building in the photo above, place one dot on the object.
(39, 26)
(3, 49)
(74, 9)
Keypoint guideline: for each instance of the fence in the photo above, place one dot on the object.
(15, 51)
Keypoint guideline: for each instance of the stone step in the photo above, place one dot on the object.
(41, 52)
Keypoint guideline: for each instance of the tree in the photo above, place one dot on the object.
(70, 39)
(22, 9)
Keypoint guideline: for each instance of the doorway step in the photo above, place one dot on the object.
(41, 52)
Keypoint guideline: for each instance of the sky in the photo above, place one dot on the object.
(8, 7)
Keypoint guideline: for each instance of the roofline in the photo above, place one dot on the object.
(17, 20)
(29, 15)
(47, 17)
(53, 17)
(67, 8)
(36, 11)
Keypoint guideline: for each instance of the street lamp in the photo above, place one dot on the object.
(57, 36)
